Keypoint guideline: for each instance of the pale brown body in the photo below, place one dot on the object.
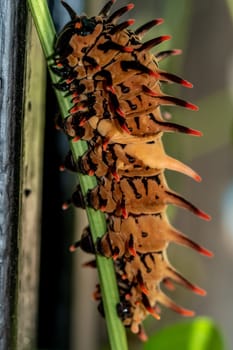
(115, 84)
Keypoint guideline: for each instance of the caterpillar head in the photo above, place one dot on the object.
(124, 311)
(77, 36)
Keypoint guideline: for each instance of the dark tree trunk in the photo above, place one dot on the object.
(12, 50)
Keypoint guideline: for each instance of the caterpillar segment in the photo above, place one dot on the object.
(143, 233)
(137, 195)
(139, 294)
(133, 159)
(114, 83)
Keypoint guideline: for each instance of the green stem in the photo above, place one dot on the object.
(109, 291)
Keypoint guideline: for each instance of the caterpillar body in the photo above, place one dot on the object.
(115, 85)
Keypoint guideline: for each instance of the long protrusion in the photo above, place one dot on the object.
(167, 126)
(142, 334)
(149, 308)
(175, 276)
(74, 246)
(72, 13)
(106, 9)
(85, 243)
(163, 299)
(153, 42)
(160, 160)
(170, 100)
(174, 198)
(141, 31)
(141, 283)
(122, 26)
(175, 165)
(179, 238)
(164, 76)
(118, 13)
(167, 53)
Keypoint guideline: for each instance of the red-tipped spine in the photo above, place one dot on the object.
(175, 79)
(141, 31)
(130, 6)
(174, 198)
(118, 13)
(66, 205)
(170, 100)
(167, 53)
(74, 246)
(153, 42)
(152, 312)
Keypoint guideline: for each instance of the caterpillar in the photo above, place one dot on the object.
(114, 83)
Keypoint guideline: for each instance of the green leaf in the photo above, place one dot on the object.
(199, 334)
